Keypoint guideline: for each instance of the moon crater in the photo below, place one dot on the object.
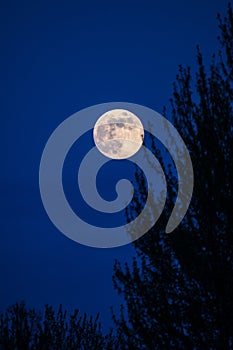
(118, 134)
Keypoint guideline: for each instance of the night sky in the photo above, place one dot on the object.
(56, 59)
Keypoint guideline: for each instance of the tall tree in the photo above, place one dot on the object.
(178, 291)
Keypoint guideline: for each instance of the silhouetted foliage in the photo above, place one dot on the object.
(26, 329)
(178, 291)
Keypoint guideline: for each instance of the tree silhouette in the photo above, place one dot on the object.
(26, 329)
(178, 291)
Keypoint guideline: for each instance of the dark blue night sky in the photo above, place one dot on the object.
(56, 59)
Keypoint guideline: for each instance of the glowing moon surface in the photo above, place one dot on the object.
(118, 134)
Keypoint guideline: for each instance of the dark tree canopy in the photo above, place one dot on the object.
(26, 329)
(179, 289)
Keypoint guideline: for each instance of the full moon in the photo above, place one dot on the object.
(118, 134)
